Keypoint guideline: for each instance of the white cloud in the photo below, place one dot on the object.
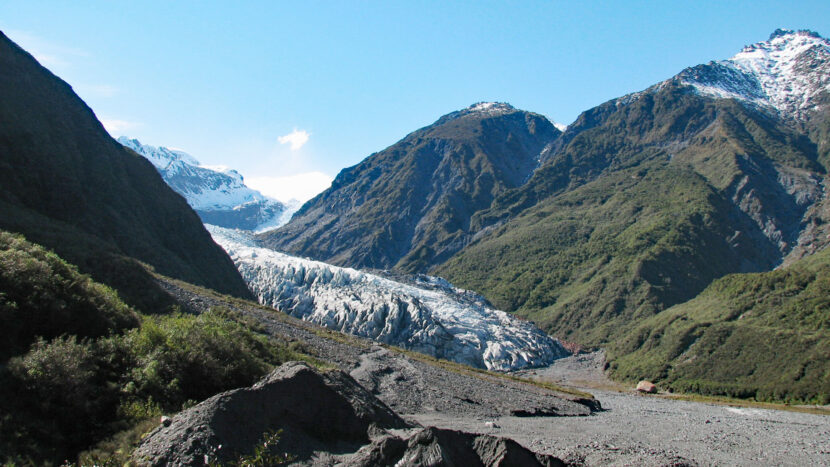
(296, 139)
(302, 186)
(117, 127)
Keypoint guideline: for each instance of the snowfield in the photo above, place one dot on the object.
(788, 73)
(427, 315)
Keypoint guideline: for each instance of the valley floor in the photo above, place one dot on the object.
(631, 429)
(636, 429)
(641, 430)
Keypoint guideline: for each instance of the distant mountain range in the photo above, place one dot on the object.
(640, 205)
(218, 195)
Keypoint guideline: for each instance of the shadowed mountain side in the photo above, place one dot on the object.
(409, 206)
(64, 183)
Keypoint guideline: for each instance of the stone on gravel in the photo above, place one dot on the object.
(647, 387)
(434, 446)
(316, 412)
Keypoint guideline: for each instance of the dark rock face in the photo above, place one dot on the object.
(315, 411)
(440, 447)
(409, 206)
(322, 417)
(67, 185)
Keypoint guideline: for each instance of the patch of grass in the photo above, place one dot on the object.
(733, 402)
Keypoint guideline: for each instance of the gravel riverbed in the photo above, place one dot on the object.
(636, 429)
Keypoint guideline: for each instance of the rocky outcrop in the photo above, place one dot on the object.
(433, 446)
(320, 418)
(316, 411)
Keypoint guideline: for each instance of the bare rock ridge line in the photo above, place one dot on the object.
(317, 414)
(410, 205)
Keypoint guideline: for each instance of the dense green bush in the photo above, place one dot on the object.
(67, 393)
(43, 296)
(181, 357)
(77, 365)
(764, 336)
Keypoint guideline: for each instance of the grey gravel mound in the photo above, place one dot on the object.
(437, 447)
(315, 411)
(411, 386)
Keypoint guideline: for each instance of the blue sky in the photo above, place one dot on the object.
(339, 80)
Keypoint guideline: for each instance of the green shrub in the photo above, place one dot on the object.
(184, 357)
(43, 296)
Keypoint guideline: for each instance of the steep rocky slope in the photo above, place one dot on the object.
(409, 206)
(426, 315)
(66, 184)
(218, 195)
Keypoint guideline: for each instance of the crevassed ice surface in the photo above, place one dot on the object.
(428, 316)
(786, 72)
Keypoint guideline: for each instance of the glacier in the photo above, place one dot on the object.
(425, 314)
(217, 194)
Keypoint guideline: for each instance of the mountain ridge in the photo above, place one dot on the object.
(66, 184)
(218, 195)
(409, 205)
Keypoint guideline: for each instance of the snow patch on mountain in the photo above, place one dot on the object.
(427, 315)
(481, 109)
(787, 73)
(217, 193)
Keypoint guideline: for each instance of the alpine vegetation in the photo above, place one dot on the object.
(428, 315)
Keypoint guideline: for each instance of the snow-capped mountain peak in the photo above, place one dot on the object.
(217, 193)
(787, 73)
(161, 157)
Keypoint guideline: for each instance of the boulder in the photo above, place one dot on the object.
(440, 447)
(647, 387)
(313, 411)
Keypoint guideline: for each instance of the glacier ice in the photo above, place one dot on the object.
(427, 314)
